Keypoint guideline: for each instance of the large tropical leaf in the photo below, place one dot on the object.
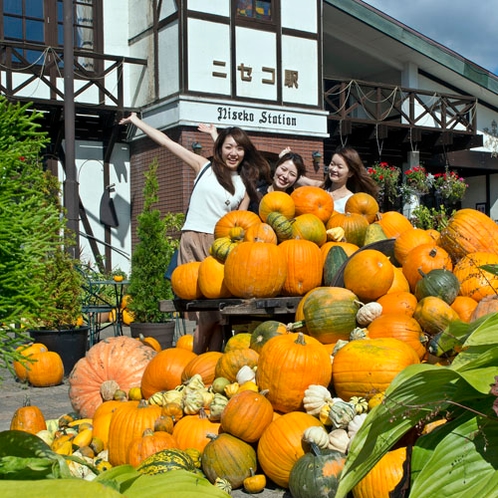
(422, 393)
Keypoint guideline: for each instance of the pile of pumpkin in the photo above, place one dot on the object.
(283, 401)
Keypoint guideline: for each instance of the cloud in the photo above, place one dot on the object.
(466, 27)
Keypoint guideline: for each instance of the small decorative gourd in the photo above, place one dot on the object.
(317, 435)
(315, 397)
(338, 440)
(341, 413)
(368, 313)
(245, 374)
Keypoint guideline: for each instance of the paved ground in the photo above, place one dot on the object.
(54, 402)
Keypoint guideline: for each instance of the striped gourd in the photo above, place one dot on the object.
(165, 460)
(281, 225)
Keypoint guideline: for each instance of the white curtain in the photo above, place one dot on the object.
(84, 23)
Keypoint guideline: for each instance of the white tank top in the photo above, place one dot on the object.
(210, 201)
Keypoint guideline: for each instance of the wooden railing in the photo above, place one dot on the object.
(382, 104)
(36, 72)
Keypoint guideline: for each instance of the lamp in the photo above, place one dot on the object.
(197, 148)
(316, 156)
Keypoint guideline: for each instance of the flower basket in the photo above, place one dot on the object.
(387, 178)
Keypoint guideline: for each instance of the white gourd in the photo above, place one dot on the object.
(317, 435)
(315, 398)
(368, 313)
(245, 374)
(338, 440)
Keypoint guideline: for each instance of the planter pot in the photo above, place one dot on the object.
(163, 332)
(71, 344)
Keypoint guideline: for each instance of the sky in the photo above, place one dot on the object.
(468, 27)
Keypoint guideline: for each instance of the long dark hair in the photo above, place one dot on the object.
(360, 180)
(253, 167)
(296, 159)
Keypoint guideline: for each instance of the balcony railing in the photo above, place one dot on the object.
(388, 105)
(35, 72)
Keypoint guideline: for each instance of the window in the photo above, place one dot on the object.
(42, 22)
(256, 9)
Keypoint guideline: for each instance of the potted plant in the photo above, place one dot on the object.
(149, 261)
(40, 286)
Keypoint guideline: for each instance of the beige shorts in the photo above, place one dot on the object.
(194, 246)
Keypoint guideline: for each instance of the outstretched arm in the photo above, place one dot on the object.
(193, 160)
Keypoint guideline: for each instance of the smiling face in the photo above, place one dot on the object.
(232, 153)
(285, 175)
(339, 170)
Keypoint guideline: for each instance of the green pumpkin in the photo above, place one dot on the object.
(316, 474)
(280, 224)
(336, 257)
(438, 283)
(229, 457)
(166, 460)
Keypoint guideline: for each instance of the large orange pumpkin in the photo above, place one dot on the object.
(20, 367)
(102, 420)
(400, 283)
(128, 422)
(281, 445)
(400, 326)
(254, 269)
(262, 232)
(247, 415)
(204, 365)
(369, 274)
(288, 365)
(313, 200)
(304, 266)
(120, 359)
(46, 370)
(408, 240)
(367, 367)
(469, 231)
(279, 202)
(165, 370)
(185, 281)
(211, 279)
(232, 219)
(147, 444)
(394, 224)
(364, 204)
(398, 302)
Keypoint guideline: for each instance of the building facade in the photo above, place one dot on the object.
(310, 75)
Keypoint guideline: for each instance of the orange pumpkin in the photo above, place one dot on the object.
(185, 341)
(469, 231)
(238, 341)
(204, 365)
(394, 224)
(165, 370)
(313, 200)
(422, 259)
(364, 204)
(192, 431)
(211, 279)
(399, 326)
(408, 240)
(281, 445)
(279, 202)
(367, 367)
(304, 266)
(256, 270)
(232, 219)
(261, 232)
(102, 420)
(464, 306)
(20, 367)
(400, 283)
(246, 415)
(288, 365)
(147, 444)
(369, 274)
(46, 370)
(398, 302)
(103, 363)
(475, 282)
(28, 418)
(434, 315)
(128, 422)
(185, 281)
